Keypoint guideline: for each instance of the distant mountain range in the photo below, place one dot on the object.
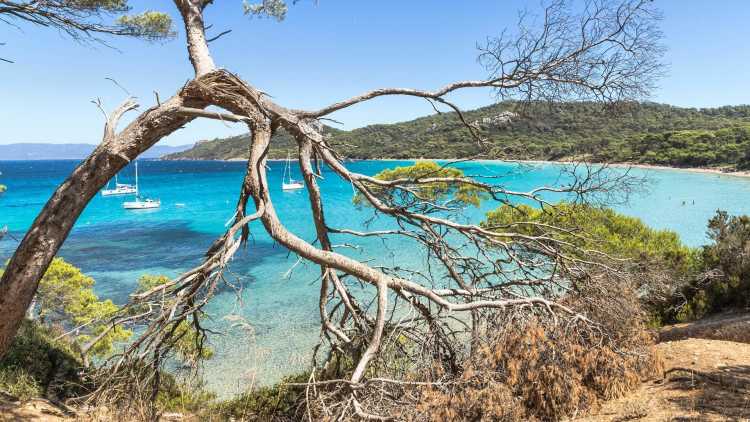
(42, 151)
(646, 133)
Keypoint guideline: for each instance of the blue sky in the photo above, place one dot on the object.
(329, 51)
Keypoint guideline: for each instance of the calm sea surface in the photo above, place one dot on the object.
(276, 307)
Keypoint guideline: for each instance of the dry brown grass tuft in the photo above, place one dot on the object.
(541, 372)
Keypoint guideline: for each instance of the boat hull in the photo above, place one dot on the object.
(141, 205)
(292, 186)
(118, 192)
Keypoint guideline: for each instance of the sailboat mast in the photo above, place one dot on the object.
(287, 169)
(136, 178)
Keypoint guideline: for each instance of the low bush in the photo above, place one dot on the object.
(187, 397)
(39, 364)
(724, 280)
(278, 402)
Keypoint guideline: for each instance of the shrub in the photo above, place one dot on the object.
(654, 265)
(603, 229)
(66, 298)
(40, 364)
(181, 397)
(19, 383)
(278, 402)
(725, 265)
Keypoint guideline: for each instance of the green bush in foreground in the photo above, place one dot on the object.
(40, 364)
(189, 348)
(66, 300)
(275, 402)
(725, 264)
(658, 261)
(700, 281)
(66, 297)
(603, 229)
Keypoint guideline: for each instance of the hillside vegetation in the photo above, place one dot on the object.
(646, 133)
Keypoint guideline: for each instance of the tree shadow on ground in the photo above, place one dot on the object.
(730, 326)
(723, 393)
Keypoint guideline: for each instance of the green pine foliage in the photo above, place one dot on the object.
(41, 363)
(438, 191)
(658, 263)
(276, 9)
(86, 19)
(725, 282)
(595, 228)
(66, 299)
(150, 25)
(710, 279)
(189, 348)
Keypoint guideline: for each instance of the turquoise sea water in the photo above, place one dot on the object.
(116, 246)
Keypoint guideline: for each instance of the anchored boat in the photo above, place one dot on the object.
(140, 204)
(120, 189)
(287, 183)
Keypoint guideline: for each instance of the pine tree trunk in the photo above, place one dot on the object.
(44, 238)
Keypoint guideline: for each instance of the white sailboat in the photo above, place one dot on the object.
(140, 204)
(120, 189)
(287, 183)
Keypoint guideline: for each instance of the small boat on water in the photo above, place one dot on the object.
(120, 189)
(287, 183)
(140, 204)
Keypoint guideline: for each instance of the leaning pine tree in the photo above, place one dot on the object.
(480, 278)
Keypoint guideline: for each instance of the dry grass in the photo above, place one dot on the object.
(537, 373)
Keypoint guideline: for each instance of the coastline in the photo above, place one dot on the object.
(717, 171)
(705, 170)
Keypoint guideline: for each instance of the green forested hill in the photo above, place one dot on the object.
(643, 133)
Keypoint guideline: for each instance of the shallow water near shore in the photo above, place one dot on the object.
(270, 321)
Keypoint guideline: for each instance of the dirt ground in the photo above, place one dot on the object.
(33, 410)
(707, 376)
